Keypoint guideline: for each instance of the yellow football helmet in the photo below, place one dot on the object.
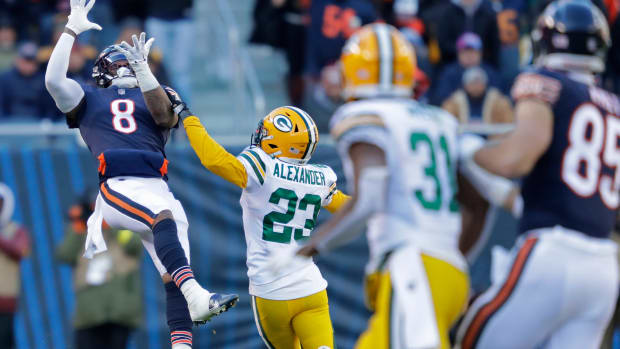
(377, 61)
(287, 133)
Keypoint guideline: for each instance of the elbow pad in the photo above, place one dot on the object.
(369, 199)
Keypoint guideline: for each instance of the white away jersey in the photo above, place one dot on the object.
(420, 143)
(281, 203)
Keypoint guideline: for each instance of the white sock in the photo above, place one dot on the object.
(192, 290)
(181, 346)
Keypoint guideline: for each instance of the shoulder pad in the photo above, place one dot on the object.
(538, 86)
(355, 114)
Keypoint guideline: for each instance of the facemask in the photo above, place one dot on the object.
(125, 78)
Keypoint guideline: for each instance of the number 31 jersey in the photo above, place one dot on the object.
(419, 142)
(281, 203)
(575, 183)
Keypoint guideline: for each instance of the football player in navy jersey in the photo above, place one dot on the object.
(125, 120)
(560, 288)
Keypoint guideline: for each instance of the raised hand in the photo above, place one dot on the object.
(139, 53)
(78, 20)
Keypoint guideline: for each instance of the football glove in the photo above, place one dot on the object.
(78, 20)
(139, 53)
(179, 107)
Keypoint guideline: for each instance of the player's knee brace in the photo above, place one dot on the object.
(179, 321)
(166, 241)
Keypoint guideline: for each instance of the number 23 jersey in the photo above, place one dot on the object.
(419, 142)
(281, 203)
(575, 183)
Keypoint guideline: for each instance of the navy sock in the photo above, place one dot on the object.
(170, 252)
(179, 321)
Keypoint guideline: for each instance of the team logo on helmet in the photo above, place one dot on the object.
(283, 123)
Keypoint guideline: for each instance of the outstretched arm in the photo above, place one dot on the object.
(516, 154)
(211, 154)
(154, 95)
(67, 93)
(370, 168)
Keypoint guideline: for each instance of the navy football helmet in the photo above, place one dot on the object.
(108, 64)
(571, 34)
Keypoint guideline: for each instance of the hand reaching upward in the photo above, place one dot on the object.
(78, 20)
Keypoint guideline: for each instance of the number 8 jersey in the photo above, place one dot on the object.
(419, 142)
(575, 183)
(120, 131)
(281, 203)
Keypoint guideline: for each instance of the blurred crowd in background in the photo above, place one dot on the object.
(30, 28)
(468, 51)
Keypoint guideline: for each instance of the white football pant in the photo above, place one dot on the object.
(133, 202)
(558, 291)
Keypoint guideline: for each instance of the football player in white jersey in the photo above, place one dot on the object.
(400, 157)
(281, 199)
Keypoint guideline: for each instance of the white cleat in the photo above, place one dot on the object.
(206, 307)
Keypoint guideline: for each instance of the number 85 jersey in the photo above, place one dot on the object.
(576, 181)
(281, 203)
(419, 142)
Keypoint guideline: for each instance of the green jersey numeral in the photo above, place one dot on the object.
(431, 171)
(284, 218)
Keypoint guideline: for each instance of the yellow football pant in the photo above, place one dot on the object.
(291, 323)
(449, 287)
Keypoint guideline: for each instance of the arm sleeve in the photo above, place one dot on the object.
(67, 93)
(370, 200)
(212, 155)
(338, 199)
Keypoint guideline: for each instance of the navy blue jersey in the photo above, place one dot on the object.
(115, 122)
(575, 183)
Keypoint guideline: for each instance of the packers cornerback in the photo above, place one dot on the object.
(401, 157)
(282, 197)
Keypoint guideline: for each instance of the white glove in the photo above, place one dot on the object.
(78, 21)
(139, 53)
(469, 144)
(137, 56)
(277, 261)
